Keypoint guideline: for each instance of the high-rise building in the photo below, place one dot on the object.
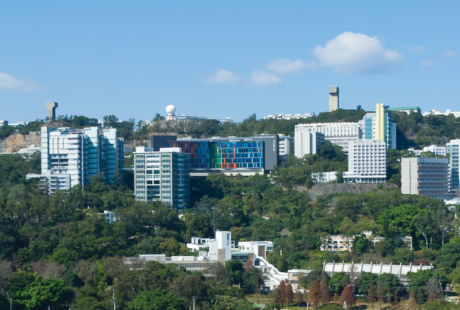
(379, 126)
(337, 133)
(72, 156)
(453, 149)
(307, 142)
(232, 155)
(333, 98)
(366, 162)
(162, 175)
(425, 176)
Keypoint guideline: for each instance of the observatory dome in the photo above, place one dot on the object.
(170, 109)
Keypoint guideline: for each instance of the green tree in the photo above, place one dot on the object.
(45, 292)
(157, 299)
(338, 281)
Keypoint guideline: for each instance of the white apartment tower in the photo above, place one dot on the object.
(162, 176)
(425, 176)
(307, 142)
(366, 162)
(72, 156)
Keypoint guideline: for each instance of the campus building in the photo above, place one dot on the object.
(436, 150)
(307, 142)
(356, 269)
(425, 176)
(447, 113)
(232, 155)
(324, 177)
(285, 146)
(407, 110)
(453, 148)
(288, 116)
(337, 133)
(162, 176)
(72, 156)
(366, 162)
(378, 126)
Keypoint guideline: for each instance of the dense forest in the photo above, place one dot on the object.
(58, 250)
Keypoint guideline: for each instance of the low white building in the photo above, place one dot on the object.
(366, 162)
(337, 243)
(448, 112)
(109, 216)
(340, 243)
(436, 150)
(222, 241)
(357, 269)
(30, 150)
(288, 116)
(324, 177)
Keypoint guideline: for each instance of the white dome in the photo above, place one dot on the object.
(170, 109)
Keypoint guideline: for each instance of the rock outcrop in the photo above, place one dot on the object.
(325, 189)
(17, 141)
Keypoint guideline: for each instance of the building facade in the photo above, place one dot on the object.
(379, 126)
(453, 149)
(285, 146)
(288, 116)
(324, 177)
(366, 162)
(425, 176)
(337, 243)
(307, 142)
(399, 270)
(337, 133)
(162, 176)
(436, 150)
(72, 156)
(233, 155)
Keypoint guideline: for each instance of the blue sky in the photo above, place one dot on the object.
(225, 59)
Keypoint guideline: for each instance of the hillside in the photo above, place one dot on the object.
(17, 141)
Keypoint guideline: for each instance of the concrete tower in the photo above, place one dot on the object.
(51, 106)
(333, 98)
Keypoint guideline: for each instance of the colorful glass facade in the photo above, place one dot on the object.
(223, 154)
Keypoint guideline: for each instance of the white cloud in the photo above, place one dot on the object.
(427, 63)
(286, 66)
(222, 76)
(9, 82)
(450, 53)
(262, 78)
(415, 49)
(355, 53)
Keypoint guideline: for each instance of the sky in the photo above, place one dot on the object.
(225, 58)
